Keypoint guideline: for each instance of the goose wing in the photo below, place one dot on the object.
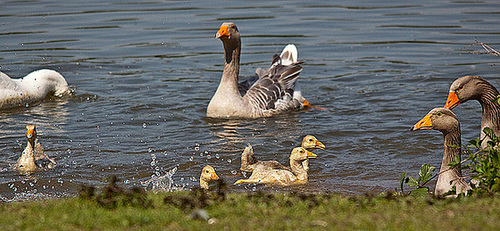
(274, 90)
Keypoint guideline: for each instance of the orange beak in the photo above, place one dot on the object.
(29, 133)
(214, 176)
(424, 123)
(223, 32)
(320, 145)
(452, 100)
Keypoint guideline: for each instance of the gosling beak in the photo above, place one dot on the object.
(311, 155)
(424, 123)
(320, 145)
(213, 176)
(29, 133)
(223, 32)
(452, 100)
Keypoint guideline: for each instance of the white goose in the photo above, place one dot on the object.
(33, 87)
(271, 93)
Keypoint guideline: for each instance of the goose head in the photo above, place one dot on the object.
(310, 142)
(300, 154)
(463, 89)
(207, 174)
(229, 35)
(441, 119)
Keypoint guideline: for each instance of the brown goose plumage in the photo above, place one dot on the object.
(476, 88)
(445, 121)
(269, 94)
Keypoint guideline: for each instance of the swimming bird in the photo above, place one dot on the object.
(33, 156)
(34, 87)
(249, 162)
(476, 88)
(271, 93)
(446, 121)
(207, 174)
(296, 174)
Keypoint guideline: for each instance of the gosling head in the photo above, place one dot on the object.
(310, 142)
(301, 153)
(207, 174)
(31, 132)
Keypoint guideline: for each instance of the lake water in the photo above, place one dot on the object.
(144, 72)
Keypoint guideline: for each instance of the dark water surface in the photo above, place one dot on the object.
(144, 73)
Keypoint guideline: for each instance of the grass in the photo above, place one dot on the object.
(254, 211)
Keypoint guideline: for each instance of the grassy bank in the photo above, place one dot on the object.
(242, 211)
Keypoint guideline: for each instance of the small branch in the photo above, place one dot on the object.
(489, 50)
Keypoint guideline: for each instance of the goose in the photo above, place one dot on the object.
(476, 88)
(249, 162)
(446, 121)
(271, 92)
(207, 174)
(33, 87)
(296, 174)
(33, 156)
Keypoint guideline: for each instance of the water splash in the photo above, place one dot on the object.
(160, 180)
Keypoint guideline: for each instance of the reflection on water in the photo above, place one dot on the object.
(145, 73)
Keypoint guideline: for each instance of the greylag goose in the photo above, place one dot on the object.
(207, 174)
(296, 174)
(249, 162)
(33, 156)
(271, 93)
(445, 121)
(477, 88)
(33, 87)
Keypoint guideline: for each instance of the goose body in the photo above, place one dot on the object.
(33, 87)
(270, 92)
(249, 162)
(476, 88)
(296, 174)
(33, 157)
(445, 121)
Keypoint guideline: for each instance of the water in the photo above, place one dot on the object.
(144, 73)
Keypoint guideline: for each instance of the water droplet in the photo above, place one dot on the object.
(234, 172)
(144, 125)
(229, 161)
(191, 158)
(217, 156)
(209, 157)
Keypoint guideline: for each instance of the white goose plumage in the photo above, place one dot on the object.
(33, 87)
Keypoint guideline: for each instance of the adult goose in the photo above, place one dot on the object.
(207, 174)
(33, 87)
(296, 174)
(249, 162)
(271, 93)
(33, 157)
(445, 121)
(476, 88)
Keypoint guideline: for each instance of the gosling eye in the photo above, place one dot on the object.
(311, 140)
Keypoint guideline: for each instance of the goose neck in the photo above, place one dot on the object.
(298, 170)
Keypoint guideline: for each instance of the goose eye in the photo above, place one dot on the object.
(439, 114)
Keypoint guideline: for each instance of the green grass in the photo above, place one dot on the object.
(258, 211)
